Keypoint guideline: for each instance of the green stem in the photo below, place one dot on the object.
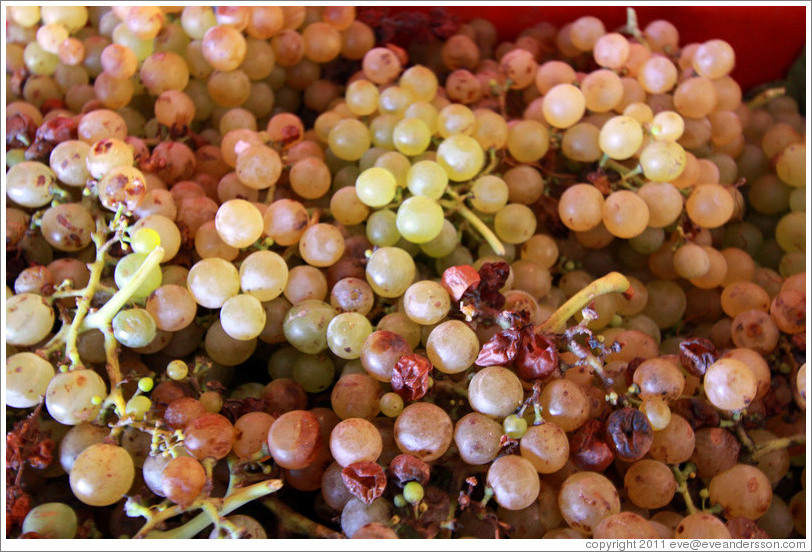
(765, 96)
(483, 229)
(633, 28)
(296, 523)
(773, 445)
(682, 486)
(114, 372)
(102, 317)
(612, 282)
(199, 523)
(744, 437)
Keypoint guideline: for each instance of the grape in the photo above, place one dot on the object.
(212, 282)
(620, 137)
(356, 396)
(390, 271)
(423, 430)
(625, 214)
(305, 325)
(514, 481)
(294, 438)
(29, 184)
(182, 480)
(419, 219)
(515, 223)
(546, 447)
(346, 334)
(586, 499)
(495, 391)
(528, 141)
(461, 156)
(452, 347)
(426, 302)
(650, 484)
(242, 317)
(27, 378)
(102, 474)
(134, 327)
(750, 500)
(51, 520)
(564, 105)
(321, 245)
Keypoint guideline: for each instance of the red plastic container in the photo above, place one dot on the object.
(766, 39)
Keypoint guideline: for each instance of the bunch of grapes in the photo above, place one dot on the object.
(269, 274)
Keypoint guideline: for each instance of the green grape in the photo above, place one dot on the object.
(396, 163)
(663, 161)
(455, 119)
(391, 405)
(305, 325)
(145, 240)
(528, 141)
(381, 228)
(514, 426)
(134, 327)
(346, 334)
(420, 219)
(177, 370)
(461, 156)
(413, 492)
(362, 97)
(349, 139)
(27, 379)
(489, 194)
(314, 373)
(390, 271)
(411, 136)
(243, 317)
(424, 111)
(667, 126)
(563, 105)
(797, 200)
(102, 474)
(791, 165)
(29, 319)
(621, 137)
(75, 397)
(52, 520)
(515, 223)
(127, 267)
(427, 178)
(420, 82)
(444, 243)
(138, 406)
(263, 274)
(790, 232)
(376, 187)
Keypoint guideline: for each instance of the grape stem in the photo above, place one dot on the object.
(765, 96)
(682, 484)
(296, 522)
(611, 283)
(633, 28)
(103, 317)
(223, 506)
(766, 447)
(478, 225)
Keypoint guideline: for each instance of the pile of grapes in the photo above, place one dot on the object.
(335, 272)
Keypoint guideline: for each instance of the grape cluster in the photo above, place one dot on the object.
(271, 273)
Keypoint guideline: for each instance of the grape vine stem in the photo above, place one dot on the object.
(477, 223)
(612, 282)
(773, 445)
(682, 485)
(296, 522)
(224, 507)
